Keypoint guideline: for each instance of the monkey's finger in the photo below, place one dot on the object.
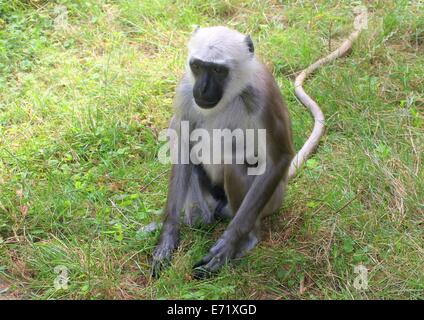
(208, 270)
(204, 260)
(215, 264)
(155, 269)
(158, 266)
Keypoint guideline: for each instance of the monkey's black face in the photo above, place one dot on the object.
(210, 79)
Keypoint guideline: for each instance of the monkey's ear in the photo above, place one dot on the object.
(249, 43)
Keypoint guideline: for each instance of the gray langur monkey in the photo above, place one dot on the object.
(226, 87)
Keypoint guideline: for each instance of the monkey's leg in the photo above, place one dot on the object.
(205, 201)
(243, 231)
(177, 193)
(198, 206)
(237, 184)
(254, 236)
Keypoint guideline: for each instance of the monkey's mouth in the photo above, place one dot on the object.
(206, 104)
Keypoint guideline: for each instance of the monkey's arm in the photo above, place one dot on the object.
(177, 193)
(257, 197)
(239, 229)
(179, 183)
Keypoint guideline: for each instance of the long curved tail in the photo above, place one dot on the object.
(319, 119)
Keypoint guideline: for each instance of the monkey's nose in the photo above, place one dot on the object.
(204, 89)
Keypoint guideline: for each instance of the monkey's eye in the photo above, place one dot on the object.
(194, 67)
(218, 70)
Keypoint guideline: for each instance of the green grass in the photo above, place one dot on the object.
(81, 105)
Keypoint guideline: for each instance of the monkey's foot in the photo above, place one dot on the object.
(162, 256)
(222, 211)
(196, 215)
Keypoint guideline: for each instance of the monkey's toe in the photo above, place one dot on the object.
(162, 256)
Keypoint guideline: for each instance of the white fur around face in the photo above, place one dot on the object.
(217, 44)
(225, 46)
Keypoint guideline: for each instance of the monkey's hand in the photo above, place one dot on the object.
(163, 252)
(222, 252)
